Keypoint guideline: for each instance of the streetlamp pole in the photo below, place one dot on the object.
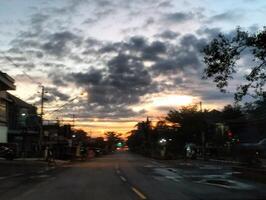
(41, 117)
(202, 134)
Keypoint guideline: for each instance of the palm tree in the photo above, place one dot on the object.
(112, 139)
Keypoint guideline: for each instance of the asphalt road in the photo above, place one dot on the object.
(126, 176)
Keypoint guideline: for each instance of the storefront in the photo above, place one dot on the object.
(6, 83)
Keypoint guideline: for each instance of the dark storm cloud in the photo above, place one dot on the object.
(111, 47)
(183, 61)
(38, 19)
(57, 78)
(94, 77)
(137, 43)
(112, 90)
(212, 94)
(184, 57)
(148, 22)
(168, 34)
(165, 4)
(229, 16)
(125, 79)
(106, 113)
(152, 51)
(164, 66)
(99, 15)
(60, 43)
(209, 32)
(54, 93)
(121, 84)
(178, 17)
(168, 58)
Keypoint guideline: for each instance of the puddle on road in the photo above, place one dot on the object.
(224, 183)
(166, 172)
(219, 180)
(210, 167)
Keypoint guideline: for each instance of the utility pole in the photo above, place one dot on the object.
(73, 120)
(41, 116)
(202, 135)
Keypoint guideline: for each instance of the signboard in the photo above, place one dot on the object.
(3, 134)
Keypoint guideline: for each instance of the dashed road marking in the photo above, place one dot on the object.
(142, 196)
(123, 178)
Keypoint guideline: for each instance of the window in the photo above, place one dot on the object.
(2, 110)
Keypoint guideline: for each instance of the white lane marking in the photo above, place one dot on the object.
(154, 162)
(231, 184)
(11, 176)
(123, 179)
(142, 196)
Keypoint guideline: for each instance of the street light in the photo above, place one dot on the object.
(163, 141)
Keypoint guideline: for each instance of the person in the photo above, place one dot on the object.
(83, 152)
(50, 156)
(190, 151)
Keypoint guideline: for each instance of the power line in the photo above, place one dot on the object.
(69, 101)
(16, 65)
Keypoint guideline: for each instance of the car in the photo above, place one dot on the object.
(259, 146)
(252, 152)
(7, 153)
(97, 151)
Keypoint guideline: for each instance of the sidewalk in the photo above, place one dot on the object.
(25, 166)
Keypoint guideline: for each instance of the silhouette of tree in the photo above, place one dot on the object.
(222, 54)
(230, 112)
(112, 139)
(191, 123)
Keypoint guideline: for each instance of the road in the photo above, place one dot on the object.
(127, 176)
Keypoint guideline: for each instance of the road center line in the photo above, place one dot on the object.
(142, 196)
(123, 178)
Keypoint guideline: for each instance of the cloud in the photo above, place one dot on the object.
(54, 94)
(152, 51)
(114, 89)
(178, 17)
(168, 34)
(165, 4)
(228, 16)
(60, 43)
(209, 32)
(118, 73)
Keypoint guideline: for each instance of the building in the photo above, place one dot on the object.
(59, 138)
(24, 125)
(6, 83)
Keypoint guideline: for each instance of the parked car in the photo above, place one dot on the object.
(97, 151)
(7, 153)
(252, 152)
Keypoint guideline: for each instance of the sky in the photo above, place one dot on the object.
(121, 60)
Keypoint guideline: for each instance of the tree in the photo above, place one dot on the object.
(232, 112)
(256, 114)
(222, 54)
(112, 139)
(191, 123)
(145, 132)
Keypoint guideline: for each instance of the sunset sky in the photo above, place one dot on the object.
(124, 60)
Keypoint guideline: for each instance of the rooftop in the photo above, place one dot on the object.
(6, 82)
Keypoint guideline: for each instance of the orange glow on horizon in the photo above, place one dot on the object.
(172, 100)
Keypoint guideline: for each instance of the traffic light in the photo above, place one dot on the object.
(230, 134)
